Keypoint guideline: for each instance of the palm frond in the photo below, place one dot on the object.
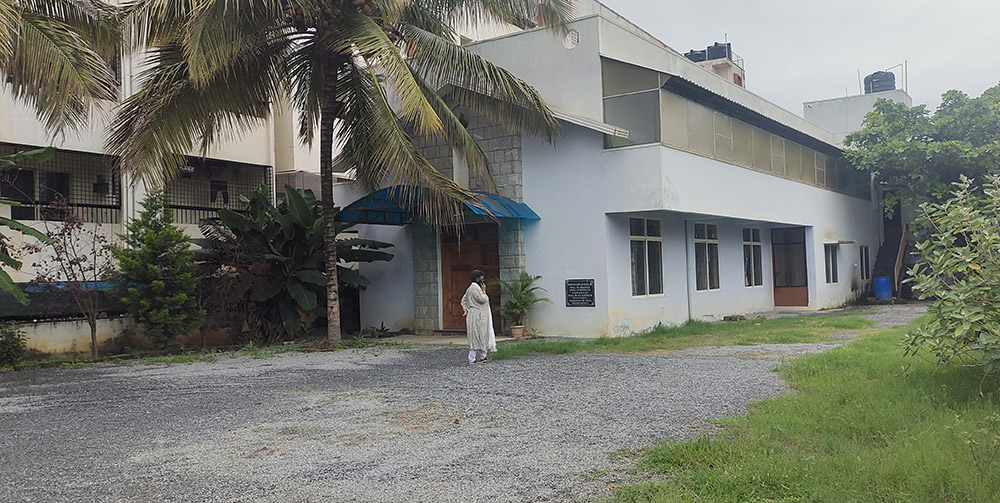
(305, 66)
(504, 99)
(459, 136)
(219, 30)
(362, 37)
(554, 13)
(55, 70)
(158, 125)
(376, 144)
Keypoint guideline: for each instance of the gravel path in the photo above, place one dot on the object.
(387, 425)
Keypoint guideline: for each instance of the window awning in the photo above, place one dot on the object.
(384, 207)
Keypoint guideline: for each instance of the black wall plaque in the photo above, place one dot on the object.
(579, 293)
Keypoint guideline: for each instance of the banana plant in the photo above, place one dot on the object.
(275, 256)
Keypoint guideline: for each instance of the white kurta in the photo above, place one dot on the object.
(477, 321)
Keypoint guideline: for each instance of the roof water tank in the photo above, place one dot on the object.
(719, 51)
(880, 81)
(696, 56)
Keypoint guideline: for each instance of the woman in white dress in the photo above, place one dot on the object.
(478, 325)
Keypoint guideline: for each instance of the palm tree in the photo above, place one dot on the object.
(217, 66)
(54, 57)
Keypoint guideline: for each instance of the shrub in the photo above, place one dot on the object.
(156, 277)
(13, 343)
(959, 270)
(522, 295)
(267, 263)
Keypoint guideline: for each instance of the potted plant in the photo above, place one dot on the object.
(522, 294)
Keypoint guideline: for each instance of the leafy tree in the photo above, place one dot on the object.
(268, 262)
(921, 154)
(74, 267)
(156, 277)
(7, 163)
(959, 271)
(217, 66)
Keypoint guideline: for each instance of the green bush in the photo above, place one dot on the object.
(156, 276)
(268, 262)
(13, 343)
(522, 295)
(959, 271)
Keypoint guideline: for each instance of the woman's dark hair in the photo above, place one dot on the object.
(476, 275)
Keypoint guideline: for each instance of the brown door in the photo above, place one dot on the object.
(477, 248)
(791, 279)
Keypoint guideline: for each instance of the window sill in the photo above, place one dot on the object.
(653, 296)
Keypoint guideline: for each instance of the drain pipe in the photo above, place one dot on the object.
(687, 268)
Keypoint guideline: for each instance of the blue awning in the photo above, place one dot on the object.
(384, 207)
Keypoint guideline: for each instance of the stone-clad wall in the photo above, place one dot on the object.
(503, 150)
(426, 288)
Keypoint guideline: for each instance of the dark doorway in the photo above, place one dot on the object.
(478, 247)
(791, 276)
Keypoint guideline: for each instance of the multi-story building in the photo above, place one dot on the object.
(673, 193)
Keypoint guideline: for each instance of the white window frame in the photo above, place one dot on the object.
(756, 269)
(832, 263)
(820, 169)
(645, 239)
(866, 271)
(708, 242)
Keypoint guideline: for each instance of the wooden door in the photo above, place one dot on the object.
(791, 278)
(476, 248)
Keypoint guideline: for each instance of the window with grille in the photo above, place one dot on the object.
(753, 274)
(646, 244)
(81, 183)
(832, 270)
(706, 253)
(204, 186)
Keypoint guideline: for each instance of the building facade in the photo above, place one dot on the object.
(672, 194)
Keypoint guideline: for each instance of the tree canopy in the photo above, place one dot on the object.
(920, 154)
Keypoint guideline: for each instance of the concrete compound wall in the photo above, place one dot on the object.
(71, 337)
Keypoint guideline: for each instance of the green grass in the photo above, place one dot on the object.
(866, 425)
(700, 333)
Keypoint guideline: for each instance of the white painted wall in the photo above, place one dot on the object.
(388, 299)
(847, 114)
(563, 185)
(17, 241)
(733, 296)
(628, 314)
(568, 79)
(585, 195)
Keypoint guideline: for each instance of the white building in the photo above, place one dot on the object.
(673, 194)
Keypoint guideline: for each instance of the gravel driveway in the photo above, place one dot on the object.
(386, 425)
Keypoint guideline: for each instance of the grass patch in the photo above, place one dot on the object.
(867, 425)
(699, 333)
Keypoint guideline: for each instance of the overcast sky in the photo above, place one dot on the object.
(807, 50)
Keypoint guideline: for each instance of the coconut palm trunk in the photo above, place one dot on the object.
(328, 115)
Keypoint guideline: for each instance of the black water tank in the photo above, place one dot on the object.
(880, 81)
(696, 56)
(719, 51)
